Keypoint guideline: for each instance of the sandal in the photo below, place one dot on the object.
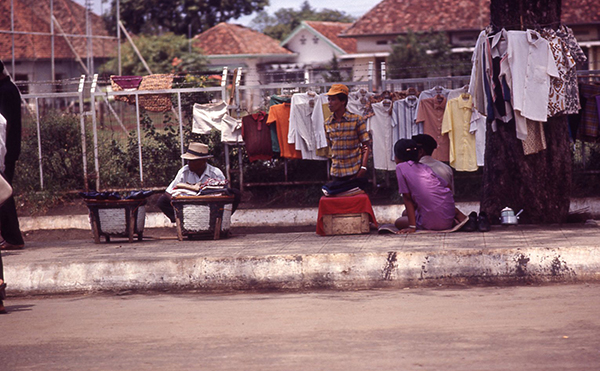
(9, 246)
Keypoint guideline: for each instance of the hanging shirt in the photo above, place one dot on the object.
(531, 65)
(257, 137)
(404, 120)
(275, 100)
(476, 86)
(302, 131)
(589, 114)
(231, 130)
(478, 128)
(380, 125)
(208, 116)
(318, 118)
(572, 91)
(280, 116)
(557, 101)
(457, 124)
(433, 92)
(431, 114)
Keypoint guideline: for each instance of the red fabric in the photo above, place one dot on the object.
(344, 205)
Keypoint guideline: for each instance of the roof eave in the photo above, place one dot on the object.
(240, 56)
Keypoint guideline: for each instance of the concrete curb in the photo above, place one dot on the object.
(312, 271)
(262, 217)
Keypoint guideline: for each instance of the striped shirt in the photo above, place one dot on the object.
(345, 140)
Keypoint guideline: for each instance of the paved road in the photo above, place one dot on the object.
(487, 328)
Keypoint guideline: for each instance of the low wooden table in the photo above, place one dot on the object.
(120, 218)
(202, 215)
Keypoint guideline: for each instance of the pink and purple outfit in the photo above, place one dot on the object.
(433, 199)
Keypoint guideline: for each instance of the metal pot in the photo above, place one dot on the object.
(508, 217)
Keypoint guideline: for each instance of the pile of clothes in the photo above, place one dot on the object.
(211, 186)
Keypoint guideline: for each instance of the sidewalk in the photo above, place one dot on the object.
(304, 260)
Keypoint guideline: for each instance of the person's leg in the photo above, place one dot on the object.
(164, 204)
(401, 222)
(237, 197)
(2, 287)
(9, 222)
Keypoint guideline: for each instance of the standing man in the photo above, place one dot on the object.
(347, 137)
(10, 108)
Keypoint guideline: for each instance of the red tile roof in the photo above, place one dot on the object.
(331, 30)
(232, 39)
(400, 16)
(34, 16)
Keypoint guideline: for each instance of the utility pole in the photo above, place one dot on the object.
(539, 183)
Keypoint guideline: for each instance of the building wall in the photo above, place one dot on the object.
(372, 44)
(313, 51)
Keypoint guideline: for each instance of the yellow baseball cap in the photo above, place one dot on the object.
(338, 89)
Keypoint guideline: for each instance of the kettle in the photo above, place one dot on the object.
(508, 217)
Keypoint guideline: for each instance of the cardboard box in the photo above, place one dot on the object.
(335, 224)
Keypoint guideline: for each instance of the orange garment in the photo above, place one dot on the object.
(431, 114)
(280, 115)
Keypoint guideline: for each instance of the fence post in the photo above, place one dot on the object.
(39, 135)
(139, 137)
(371, 76)
(82, 122)
(95, 128)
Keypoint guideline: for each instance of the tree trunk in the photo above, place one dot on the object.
(540, 184)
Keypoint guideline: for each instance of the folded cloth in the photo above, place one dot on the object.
(139, 195)
(339, 186)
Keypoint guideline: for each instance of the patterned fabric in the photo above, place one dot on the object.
(572, 91)
(156, 102)
(589, 117)
(121, 83)
(564, 62)
(536, 138)
(345, 138)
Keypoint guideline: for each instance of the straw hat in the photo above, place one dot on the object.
(196, 151)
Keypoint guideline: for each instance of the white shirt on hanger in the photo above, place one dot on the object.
(302, 131)
(318, 120)
(529, 66)
(380, 125)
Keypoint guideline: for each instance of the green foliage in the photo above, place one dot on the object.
(154, 17)
(167, 53)
(286, 20)
(422, 54)
(332, 72)
(62, 164)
